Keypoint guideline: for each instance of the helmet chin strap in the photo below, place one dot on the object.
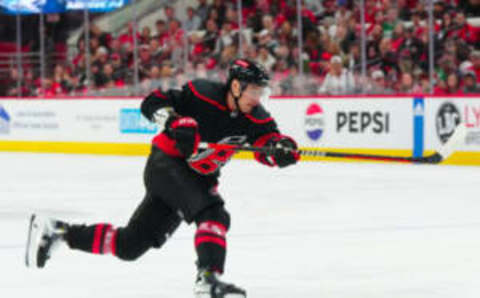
(236, 108)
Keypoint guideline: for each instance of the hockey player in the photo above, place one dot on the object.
(181, 179)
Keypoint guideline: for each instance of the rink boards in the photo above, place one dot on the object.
(377, 125)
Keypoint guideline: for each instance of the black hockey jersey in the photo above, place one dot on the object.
(205, 101)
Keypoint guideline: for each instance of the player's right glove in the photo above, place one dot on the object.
(184, 130)
(285, 151)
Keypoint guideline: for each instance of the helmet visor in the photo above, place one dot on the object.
(257, 94)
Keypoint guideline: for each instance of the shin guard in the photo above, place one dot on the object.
(211, 245)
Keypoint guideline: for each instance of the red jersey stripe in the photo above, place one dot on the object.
(204, 98)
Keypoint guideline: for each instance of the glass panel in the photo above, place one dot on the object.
(175, 41)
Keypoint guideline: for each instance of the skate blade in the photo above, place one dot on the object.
(228, 295)
(34, 238)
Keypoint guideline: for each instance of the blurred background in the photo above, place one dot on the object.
(62, 48)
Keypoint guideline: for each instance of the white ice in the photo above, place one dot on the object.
(333, 230)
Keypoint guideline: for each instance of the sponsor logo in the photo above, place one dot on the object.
(363, 122)
(4, 121)
(36, 120)
(472, 122)
(132, 121)
(97, 121)
(314, 122)
(448, 117)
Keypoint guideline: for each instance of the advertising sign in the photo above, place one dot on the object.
(346, 122)
(444, 114)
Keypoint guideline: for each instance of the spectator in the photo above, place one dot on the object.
(470, 85)
(470, 7)
(145, 61)
(104, 78)
(378, 85)
(153, 81)
(202, 10)
(193, 21)
(265, 39)
(126, 39)
(475, 59)
(162, 32)
(169, 13)
(210, 39)
(221, 8)
(407, 85)
(391, 20)
(145, 35)
(120, 70)
(227, 38)
(338, 80)
(465, 31)
(265, 58)
(267, 24)
(412, 46)
(155, 50)
(62, 80)
(450, 86)
(213, 15)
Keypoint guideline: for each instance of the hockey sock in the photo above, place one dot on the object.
(211, 244)
(97, 239)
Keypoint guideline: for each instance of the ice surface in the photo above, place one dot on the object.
(315, 230)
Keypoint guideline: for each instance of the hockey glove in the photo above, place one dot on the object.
(285, 151)
(184, 130)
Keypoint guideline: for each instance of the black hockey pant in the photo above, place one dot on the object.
(174, 193)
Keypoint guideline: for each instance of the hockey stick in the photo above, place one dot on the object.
(438, 156)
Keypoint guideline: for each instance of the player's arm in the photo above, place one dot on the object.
(180, 134)
(266, 134)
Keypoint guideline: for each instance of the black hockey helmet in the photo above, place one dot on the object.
(248, 71)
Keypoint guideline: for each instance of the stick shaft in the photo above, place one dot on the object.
(320, 153)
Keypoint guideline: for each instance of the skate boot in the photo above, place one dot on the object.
(44, 236)
(209, 286)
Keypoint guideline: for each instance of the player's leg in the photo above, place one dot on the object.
(196, 199)
(211, 245)
(149, 227)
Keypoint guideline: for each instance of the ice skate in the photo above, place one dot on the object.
(44, 236)
(209, 286)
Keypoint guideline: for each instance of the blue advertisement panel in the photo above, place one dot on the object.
(56, 6)
(133, 122)
(96, 5)
(32, 6)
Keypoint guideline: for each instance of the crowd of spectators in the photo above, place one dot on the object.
(202, 44)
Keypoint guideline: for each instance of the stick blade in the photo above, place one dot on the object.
(458, 136)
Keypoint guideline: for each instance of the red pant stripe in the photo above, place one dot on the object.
(97, 239)
(210, 239)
